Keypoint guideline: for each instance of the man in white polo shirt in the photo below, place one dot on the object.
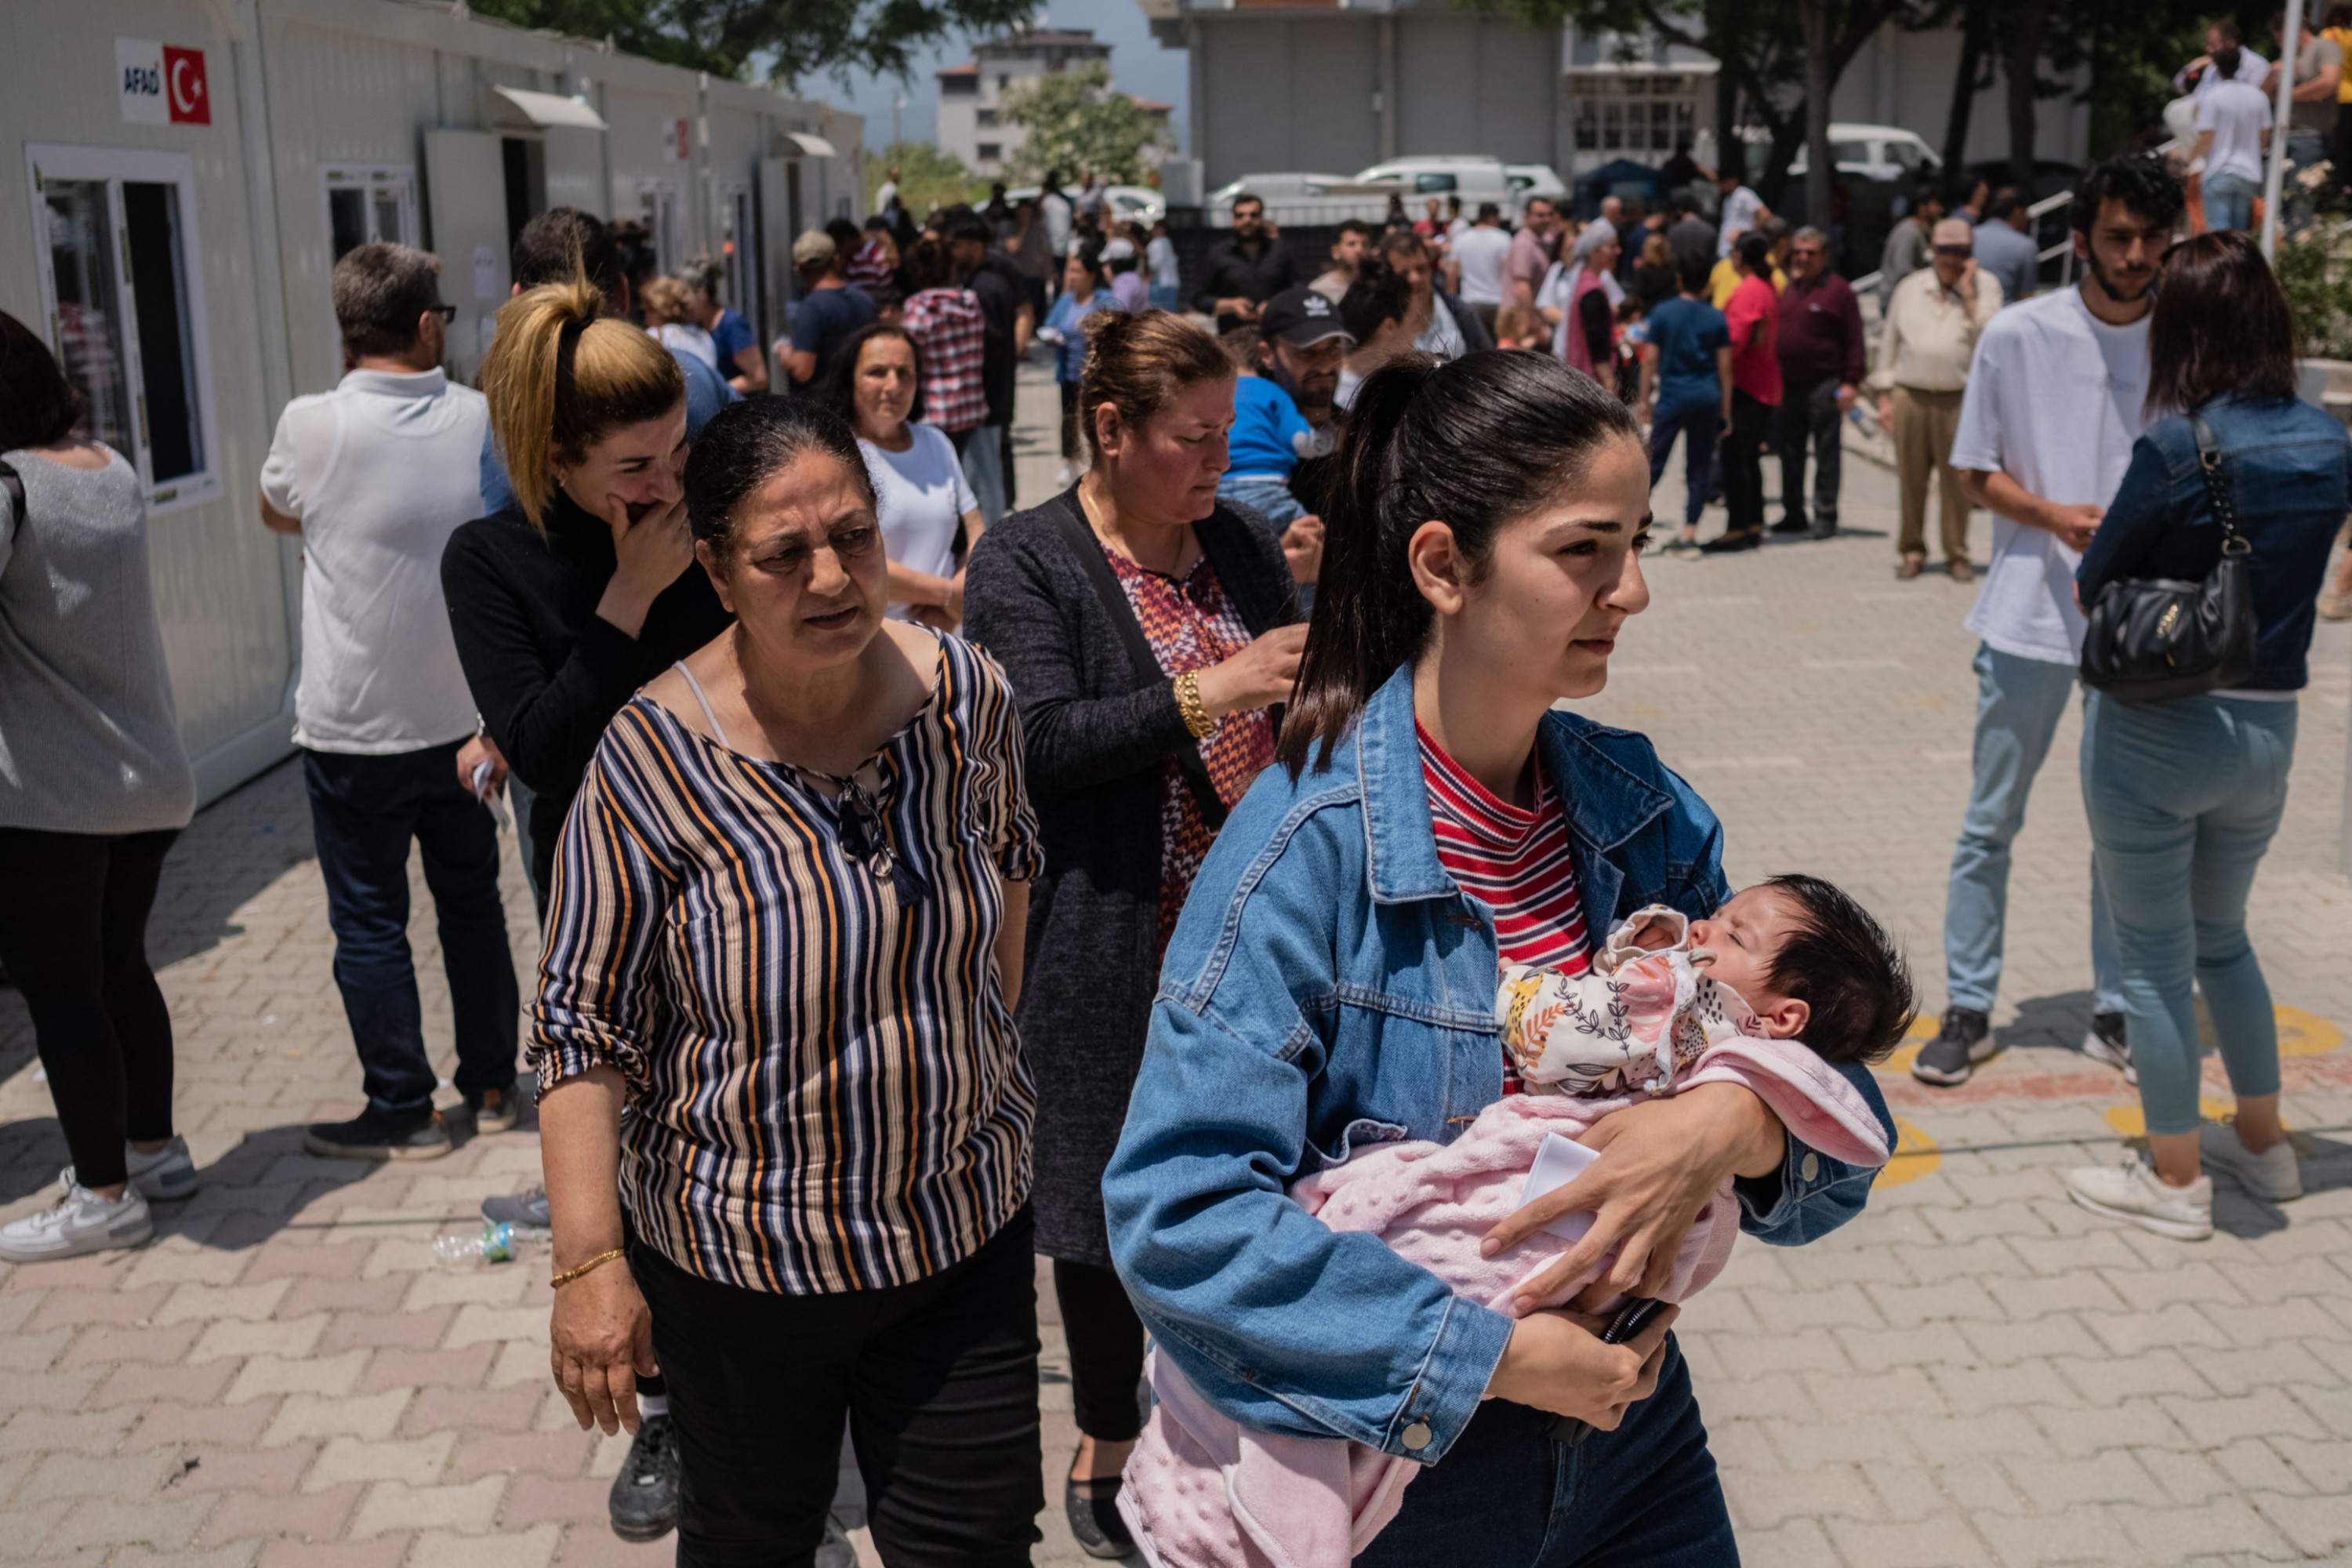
(373, 476)
(2047, 423)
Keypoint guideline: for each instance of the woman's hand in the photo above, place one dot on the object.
(601, 1342)
(1556, 1361)
(1260, 676)
(1302, 546)
(1660, 1161)
(647, 556)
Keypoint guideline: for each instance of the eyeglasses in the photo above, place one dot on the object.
(447, 314)
(1957, 252)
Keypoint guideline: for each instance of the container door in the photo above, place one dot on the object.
(464, 175)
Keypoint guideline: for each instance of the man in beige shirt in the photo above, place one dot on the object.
(1930, 336)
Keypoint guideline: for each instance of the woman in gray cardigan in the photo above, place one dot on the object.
(93, 788)
(1149, 632)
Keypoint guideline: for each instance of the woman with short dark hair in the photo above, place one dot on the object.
(1149, 631)
(2185, 793)
(787, 932)
(94, 789)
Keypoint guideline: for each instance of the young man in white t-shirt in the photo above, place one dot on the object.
(2233, 130)
(1476, 258)
(373, 476)
(2047, 425)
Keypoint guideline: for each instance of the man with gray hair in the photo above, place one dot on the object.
(1822, 364)
(374, 478)
(1924, 347)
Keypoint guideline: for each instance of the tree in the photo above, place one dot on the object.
(792, 38)
(1076, 121)
(928, 176)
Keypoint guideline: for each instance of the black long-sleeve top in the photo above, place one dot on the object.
(547, 672)
(1235, 271)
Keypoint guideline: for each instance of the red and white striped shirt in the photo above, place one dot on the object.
(1516, 860)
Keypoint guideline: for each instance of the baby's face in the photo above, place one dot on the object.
(1745, 935)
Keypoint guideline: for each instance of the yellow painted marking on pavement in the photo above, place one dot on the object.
(1916, 1155)
(1923, 1029)
(2302, 1034)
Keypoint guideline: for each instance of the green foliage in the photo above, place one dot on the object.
(1076, 121)
(2314, 269)
(928, 176)
(792, 38)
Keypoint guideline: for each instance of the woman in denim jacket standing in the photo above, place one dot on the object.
(2185, 794)
(1332, 982)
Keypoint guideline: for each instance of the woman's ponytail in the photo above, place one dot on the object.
(558, 377)
(1473, 444)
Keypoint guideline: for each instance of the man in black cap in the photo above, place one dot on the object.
(1303, 345)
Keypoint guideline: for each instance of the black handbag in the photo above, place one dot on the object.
(2156, 637)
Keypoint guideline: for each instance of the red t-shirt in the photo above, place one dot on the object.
(1753, 312)
(1516, 861)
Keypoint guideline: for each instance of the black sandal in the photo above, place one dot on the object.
(1094, 1517)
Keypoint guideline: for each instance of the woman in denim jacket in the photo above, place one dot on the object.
(2185, 794)
(1332, 984)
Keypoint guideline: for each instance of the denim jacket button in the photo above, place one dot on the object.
(1810, 1166)
(1416, 1436)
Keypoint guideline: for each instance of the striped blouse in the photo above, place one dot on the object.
(828, 1091)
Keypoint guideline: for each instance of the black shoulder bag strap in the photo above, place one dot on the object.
(14, 483)
(1088, 549)
(2216, 486)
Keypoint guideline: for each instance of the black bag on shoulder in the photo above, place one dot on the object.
(2156, 637)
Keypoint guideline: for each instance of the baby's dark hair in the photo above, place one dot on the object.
(1844, 966)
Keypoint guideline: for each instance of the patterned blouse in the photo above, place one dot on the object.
(1192, 624)
(829, 1094)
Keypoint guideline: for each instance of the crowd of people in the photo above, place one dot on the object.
(927, 884)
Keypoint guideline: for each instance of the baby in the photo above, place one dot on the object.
(1670, 1003)
(1792, 957)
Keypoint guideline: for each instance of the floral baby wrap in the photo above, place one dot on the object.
(1638, 1019)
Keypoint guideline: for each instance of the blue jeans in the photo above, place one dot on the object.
(1506, 1495)
(2018, 704)
(983, 470)
(364, 811)
(2183, 797)
(2229, 201)
(1271, 497)
(1698, 424)
(1164, 297)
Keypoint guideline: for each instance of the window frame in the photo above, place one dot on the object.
(113, 167)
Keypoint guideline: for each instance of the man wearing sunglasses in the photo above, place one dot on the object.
(374, 478)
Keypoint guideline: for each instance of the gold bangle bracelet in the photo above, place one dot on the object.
(1188, 704)
(569, 1275)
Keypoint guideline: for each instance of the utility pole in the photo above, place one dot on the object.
(2290, 44)
(898, 108)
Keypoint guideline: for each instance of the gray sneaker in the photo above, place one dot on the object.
(2271, 1175)
(166, 1176)
(80, 1222)
(527, 1207)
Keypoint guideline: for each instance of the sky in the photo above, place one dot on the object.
(1138, 65)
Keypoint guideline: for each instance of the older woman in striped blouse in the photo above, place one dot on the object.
(785, 935)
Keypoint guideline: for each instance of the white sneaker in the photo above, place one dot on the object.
(2270, 1174)
(78, 1223)
(166, 1176)
(2132, 1191)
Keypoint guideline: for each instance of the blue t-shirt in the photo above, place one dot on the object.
(1687, 332)
(821, 319)
(1268, 428)
(707, 393)
(1070, 353)
(731, 335)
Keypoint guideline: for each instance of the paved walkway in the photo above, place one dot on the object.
(1975, 1372)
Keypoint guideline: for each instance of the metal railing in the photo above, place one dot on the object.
(2065, 248)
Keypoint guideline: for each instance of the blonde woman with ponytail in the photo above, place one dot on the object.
(586, 588)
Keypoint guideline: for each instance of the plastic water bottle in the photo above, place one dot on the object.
(495, 1245)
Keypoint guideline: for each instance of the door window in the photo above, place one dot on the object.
(370, 203)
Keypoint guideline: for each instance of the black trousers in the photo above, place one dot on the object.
(939, 1380)
(1809, 414)
(1106, 1341)
(1069, 422)
(73, 936)
(1743, 463)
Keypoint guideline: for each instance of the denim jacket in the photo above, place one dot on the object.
(1329, 987)
(2289, 471)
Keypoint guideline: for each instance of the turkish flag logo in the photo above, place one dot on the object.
(183, 86)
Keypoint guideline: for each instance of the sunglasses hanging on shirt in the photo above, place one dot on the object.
(865, 836)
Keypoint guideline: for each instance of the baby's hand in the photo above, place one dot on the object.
(1653, 937)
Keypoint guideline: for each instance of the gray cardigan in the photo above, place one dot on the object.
(1098, 736)
(90, 737)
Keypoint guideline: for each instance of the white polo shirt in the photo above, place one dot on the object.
(379, 472)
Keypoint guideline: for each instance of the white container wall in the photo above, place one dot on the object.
(187, 175)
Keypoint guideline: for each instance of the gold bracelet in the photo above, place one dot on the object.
(569, 1275)
(1188, 703)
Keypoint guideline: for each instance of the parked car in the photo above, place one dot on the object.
(1130, 203)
